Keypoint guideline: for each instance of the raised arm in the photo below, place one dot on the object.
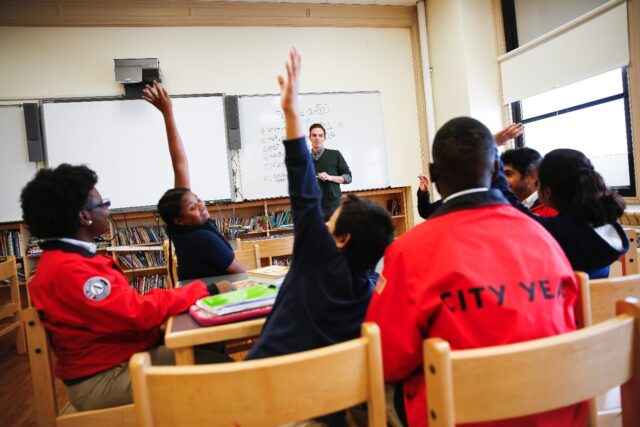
(158, 96)
(289, 96)
(503, 136)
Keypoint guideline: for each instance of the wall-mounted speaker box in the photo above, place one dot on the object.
(35, 146)
(233, 122)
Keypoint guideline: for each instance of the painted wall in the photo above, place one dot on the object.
(38, 63)
(462, 47)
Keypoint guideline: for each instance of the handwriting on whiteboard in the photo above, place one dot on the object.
(271, 138)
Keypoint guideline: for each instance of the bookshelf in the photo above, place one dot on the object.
(136, 237)
(136, 246)
(14, 238)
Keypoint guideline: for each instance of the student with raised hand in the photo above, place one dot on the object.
(426, 208)
(324, 297)
(95, 319)
(201, 249)
(461, 277)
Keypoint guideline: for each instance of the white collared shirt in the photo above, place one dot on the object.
(463, 192)
(529, 201)
(91, 247)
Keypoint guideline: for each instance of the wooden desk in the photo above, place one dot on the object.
(183, 333)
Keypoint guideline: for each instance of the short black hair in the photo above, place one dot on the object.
(577, 189)
(317, 126)
(464, 153)
(169, 205)
(525, 160)
(52, 200)
(371, 230)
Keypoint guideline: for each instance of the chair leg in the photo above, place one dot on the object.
(21, 342)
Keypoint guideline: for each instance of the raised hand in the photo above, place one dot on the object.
(423, 183)
(157, 95)
(514, 130)
(289, 95)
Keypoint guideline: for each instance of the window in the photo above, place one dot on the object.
(591, 116)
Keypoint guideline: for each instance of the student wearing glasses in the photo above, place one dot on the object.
(95, 319)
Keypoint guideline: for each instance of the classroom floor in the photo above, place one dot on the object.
(16, 402)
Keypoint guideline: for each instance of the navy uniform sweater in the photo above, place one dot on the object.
(323, 299)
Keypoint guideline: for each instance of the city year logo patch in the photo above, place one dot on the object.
(97, 288)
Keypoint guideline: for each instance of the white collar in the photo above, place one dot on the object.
(91, 247)
(463, 192)
(530, 201)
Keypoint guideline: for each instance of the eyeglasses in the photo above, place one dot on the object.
(104, 203)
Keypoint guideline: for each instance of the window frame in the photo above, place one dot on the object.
(511, 43)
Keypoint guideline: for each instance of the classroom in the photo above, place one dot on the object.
(417, 65)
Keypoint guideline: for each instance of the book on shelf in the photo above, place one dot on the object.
(140, 235)
(144, 284)
(142, 259)
(249, 298)
(10, 244)
(271, 275)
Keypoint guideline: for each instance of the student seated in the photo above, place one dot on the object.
(587, 226)
(425, 207)
(461, 277)
(95, 319)
(201, 249)
(521, 172)
(324, 297)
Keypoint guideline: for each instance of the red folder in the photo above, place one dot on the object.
(205, 318)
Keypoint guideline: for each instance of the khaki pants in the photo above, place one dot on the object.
(113, 386)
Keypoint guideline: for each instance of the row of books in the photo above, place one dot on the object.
(10, 244)
(238, 225)
(280, 219)
(142, 259)
(144, 284)
(142, 234)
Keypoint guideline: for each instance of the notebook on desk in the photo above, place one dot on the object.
(247, 303)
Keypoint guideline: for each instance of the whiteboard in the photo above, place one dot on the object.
(125, 142)
(15, 168)
(354, 126)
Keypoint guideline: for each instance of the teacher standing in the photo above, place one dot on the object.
(331, 170)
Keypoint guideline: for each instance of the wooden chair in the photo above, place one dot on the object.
(270, 248)
(520, 379)
(598, 301)
(13, 306)
(629, 261)
(249, 258)
(264, 392)
(599, 296)
(172, 265)
(44, 392)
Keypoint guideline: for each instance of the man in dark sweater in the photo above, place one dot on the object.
(331, 169)
(325, 295)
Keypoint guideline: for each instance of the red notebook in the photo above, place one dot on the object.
(206, 318)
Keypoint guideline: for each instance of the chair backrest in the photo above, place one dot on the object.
(269, 248)
(249, 258)
(629, 260)
(599, 296)
(171, 262)
(530, 377)
(12, 307)
(44, 391)
(264, 392)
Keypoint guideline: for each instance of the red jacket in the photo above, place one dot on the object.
(475, 277)
(96, 320)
